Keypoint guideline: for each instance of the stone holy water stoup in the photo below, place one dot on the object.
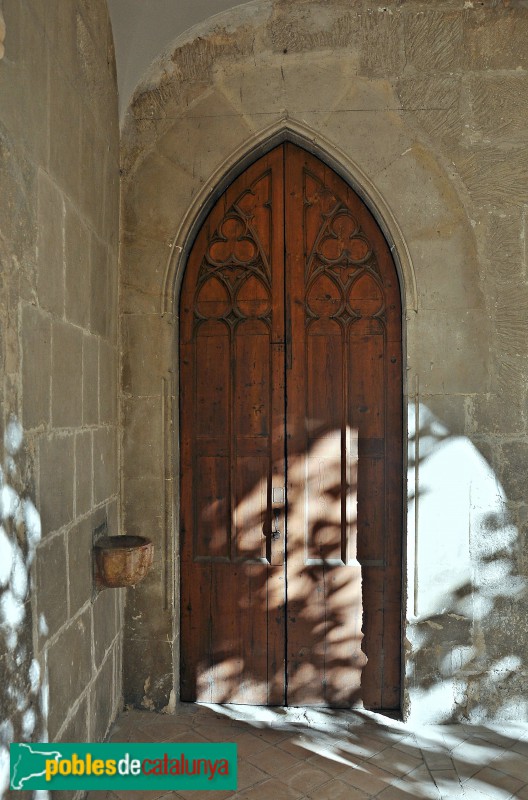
(121, 561)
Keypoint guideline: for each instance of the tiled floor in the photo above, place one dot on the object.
(340, 755)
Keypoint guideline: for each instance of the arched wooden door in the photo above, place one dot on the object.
(291, 446)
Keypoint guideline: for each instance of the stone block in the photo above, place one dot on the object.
(77, 729)
(456, 284)
(107, 383)
(449, 410)
(345, 93)
(112, 515)
(52, 584)
(147, 672)
(500, 412)
(435, 101)
(50, 245)
(145, 606)
(495, 38)
(56, 481)
(105, 464)
(18, 211)
(77, 258)
(143, 502)
(36, 367)
(241, 96)
(83, 473)
(117, 682)
(24, 89)
(148, 353)
(422, 197)
(372, 139)
(92, 177)
(80, 564)
(69, 669)
(494, 176)
(144, 267)
(451, 351)
(381, 42)
(90, 379)
(510, 335)
(102, 703)
(512, 473)
(433, 40)
(158, 198)
(65, 132)
(143, 437)
(66, 378)
(498, 106)
(59, 24)
(111, 186)
(105, 624)
(100, 302)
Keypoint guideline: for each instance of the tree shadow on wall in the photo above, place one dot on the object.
(467, 650)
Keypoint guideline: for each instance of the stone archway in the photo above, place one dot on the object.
(175, 166)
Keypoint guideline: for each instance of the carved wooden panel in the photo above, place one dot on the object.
(291, 383)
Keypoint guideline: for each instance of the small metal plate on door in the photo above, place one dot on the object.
(278, 495)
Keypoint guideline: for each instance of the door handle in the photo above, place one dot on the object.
(275, 530)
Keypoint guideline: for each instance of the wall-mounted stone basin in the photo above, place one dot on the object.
(122, 560)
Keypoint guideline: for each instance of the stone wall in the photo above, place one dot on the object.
(423, 110)
(59, 217)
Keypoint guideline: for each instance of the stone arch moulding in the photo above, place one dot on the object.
(298, 133)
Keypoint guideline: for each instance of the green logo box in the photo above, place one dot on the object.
(124, 765)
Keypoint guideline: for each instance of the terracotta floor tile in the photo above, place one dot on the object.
(394, 793)
(419, 783)
(513, 764)
(495, 784)
(395, 761)
(203, 795)
(271, 789)
(328, 763)
(521, 748)
(249, 775)
(363, 746)
(447, 780)
(298, 746)
(273, 735)
(336, 790)
(139, 795)
(272, 760)
(437, 759)
(368, 777)
(303, 777)
(249, 744)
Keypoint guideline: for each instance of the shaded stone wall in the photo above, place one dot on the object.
(59, 216)
(422, 110)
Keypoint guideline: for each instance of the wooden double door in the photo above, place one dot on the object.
(291, 446)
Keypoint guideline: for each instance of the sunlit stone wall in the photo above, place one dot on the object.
(59, 646)
(423, 106)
